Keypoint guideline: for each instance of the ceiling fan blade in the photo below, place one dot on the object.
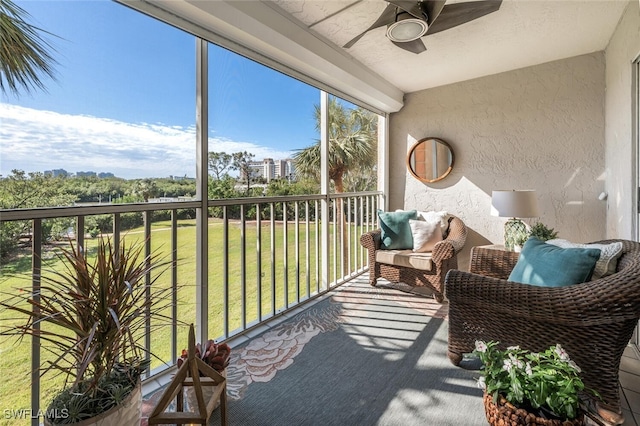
(387, 16)
(413, 8)
(414, 46)
(456, 14)
(433, 9)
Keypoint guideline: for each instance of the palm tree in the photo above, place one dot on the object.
(352, 144)
(24, 53)
(352, 150)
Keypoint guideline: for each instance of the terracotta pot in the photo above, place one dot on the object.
(506, 414)
(129, 412)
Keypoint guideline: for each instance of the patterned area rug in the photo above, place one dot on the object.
(365, 355)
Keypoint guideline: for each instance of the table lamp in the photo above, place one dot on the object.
(514, 204)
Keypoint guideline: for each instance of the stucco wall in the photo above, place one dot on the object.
(624, 47)
(538, 128)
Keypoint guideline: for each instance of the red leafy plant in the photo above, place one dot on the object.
(214, 355)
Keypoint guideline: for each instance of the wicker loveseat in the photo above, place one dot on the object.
(593, 321)
(429, 271)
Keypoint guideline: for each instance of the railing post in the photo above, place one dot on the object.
(307, 239)
(116, 230)
(285, 254)
(297, 248)
(80, 231)
(174, 285)
(259, 260)
(147, 284)
(225, 266)
(272, 210)
(36, 271)
(243, 265)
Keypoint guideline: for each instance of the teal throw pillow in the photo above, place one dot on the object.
(396, 231)
(547, 265)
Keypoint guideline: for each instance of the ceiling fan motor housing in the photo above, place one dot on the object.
(406, 27)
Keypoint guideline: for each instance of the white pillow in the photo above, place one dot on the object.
(609, 254)
(441, 217)
(425, 235)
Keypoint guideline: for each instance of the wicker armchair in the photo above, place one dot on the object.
(444, 257)
(593, 321)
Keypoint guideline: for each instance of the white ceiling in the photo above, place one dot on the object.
(520, 34)
(305, 37)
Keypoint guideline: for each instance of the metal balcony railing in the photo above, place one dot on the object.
(264, 255)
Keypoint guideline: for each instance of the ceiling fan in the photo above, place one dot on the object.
(408, 20)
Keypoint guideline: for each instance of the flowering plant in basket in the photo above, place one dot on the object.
(214, 355)
(545, 382)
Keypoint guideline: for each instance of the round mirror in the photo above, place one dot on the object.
(430, 160)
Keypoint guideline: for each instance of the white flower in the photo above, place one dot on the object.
(515, 361)
(481, 383)
(528, 369)
(481, 346)
(562, 353)
(513, 348)
(507, 365)
(573, 365)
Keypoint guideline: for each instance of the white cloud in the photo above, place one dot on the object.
(34, 140)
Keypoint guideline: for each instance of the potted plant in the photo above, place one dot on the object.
(542, 232)
(96, 308)
(536, 388)
(214, 355)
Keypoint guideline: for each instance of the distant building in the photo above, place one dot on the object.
(178, 178)
(106, 175)
(285, 169)
(56, 173)
(86, 174)
(268, 169)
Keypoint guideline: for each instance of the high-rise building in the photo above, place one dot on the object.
(285, 169)
(269, 169)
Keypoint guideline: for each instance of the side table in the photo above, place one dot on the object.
(492, 260)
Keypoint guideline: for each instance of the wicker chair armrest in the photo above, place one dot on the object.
(451, 246)
(443, 250)
(594, 303)
(492, 263)
(457, 235)
(371, 240)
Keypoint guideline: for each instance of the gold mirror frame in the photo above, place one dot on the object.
(430, 154)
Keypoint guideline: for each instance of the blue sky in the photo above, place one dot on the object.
(124, 100)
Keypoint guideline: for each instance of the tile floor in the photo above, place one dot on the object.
(630, 383)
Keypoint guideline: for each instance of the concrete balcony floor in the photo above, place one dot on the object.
(629, 369)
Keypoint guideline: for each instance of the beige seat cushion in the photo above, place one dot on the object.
(405, 258)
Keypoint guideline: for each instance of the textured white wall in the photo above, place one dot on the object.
(624, 47)
(538, 128)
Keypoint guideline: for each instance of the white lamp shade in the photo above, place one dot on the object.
(513, 203)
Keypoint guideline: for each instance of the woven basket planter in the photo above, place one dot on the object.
(506, 414)
(128, 412)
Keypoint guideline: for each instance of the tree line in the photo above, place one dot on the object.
(24, 190)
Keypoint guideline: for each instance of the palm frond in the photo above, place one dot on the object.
(24, 55)
(352, 137)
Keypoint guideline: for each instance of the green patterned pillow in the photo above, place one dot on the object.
(609, 255)
(547, 265)
(396, 232)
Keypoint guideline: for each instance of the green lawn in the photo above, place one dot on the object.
(15, 356)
